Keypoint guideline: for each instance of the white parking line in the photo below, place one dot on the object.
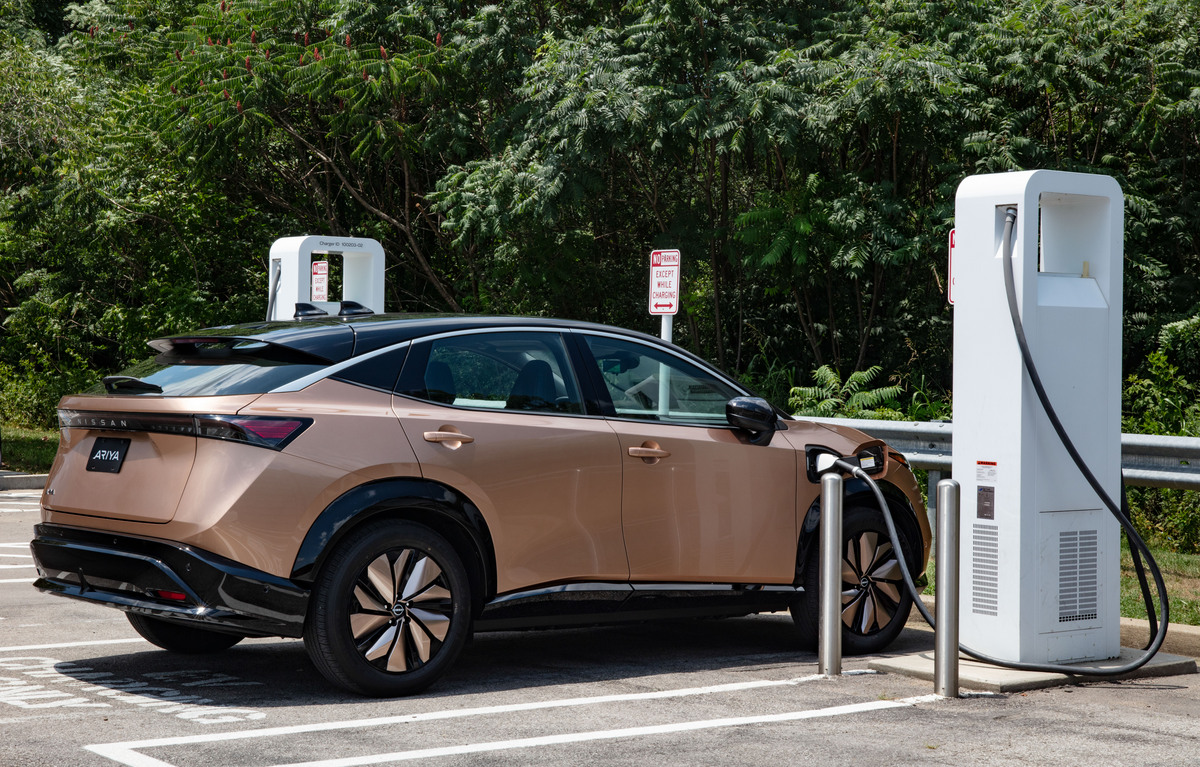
(16, 505)
(23, 648)
(127, 753)
(16, 555)
(629, 732)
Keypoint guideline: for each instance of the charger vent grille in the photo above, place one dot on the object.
(985, 569)
(1078, 587)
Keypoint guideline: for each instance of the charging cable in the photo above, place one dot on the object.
(1137, 545)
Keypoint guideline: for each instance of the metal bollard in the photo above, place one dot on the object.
(945, 652)
(830, 655)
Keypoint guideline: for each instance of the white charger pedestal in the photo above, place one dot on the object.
(1040, 552)
(290, 263)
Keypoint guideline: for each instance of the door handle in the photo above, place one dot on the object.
(451, 439)
(649, 452)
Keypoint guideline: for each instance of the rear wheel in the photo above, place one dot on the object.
(390, 610)
(875, 601)
(181, 638)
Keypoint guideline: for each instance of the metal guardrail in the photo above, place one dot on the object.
(1147, 460)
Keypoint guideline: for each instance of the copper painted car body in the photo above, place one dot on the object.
(383, 486)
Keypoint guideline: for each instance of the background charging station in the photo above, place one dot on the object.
(1040, 553)
(290, 262)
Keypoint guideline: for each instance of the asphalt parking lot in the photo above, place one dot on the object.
(78, 687)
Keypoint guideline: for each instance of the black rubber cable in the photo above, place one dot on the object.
(1121, 514)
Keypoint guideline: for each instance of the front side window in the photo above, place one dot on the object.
(649, 383)
(523, 371)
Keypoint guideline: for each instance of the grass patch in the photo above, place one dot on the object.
(1181, 573)
(29, 450)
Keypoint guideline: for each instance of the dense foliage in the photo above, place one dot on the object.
(525, 156)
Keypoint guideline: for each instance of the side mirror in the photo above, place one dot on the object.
(754, 415)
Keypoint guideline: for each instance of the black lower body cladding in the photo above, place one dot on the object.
(166, 580)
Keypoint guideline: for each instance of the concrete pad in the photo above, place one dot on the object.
(15, 480)
(973, 675)
(1135, 632)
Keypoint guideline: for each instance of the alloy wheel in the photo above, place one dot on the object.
(401, 611)
(871, 582)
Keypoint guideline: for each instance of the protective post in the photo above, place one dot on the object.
(945, 648)
(830, 655)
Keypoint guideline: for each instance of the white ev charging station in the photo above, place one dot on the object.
(1040, 553)
(291, 260)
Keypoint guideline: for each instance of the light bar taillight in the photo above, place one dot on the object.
(274, 432)
(264, 431)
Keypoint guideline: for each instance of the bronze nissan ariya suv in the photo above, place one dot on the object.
(383, 486)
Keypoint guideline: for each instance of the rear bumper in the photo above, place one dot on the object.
(166, 580)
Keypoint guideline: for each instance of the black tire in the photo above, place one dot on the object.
(875, 601)
(178, 637)
(390, 610)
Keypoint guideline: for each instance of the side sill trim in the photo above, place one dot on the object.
(582, 604)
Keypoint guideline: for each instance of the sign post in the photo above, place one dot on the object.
(664, 287)
(664, 300)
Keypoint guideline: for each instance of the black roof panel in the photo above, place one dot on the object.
(336, 339)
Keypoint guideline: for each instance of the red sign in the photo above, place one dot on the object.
(320, 281)
(664, 281)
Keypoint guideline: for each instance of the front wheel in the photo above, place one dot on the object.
(875, 601)
(390, 610)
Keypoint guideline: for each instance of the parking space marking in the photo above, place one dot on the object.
(9, 555)
(629, 732)
(22, 505)
(128, 753)
(55, 646)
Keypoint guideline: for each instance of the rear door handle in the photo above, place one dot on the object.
(451, 439)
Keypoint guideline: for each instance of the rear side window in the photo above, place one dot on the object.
(499, 371)
(233, 366)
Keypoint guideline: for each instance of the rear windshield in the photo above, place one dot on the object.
(218, 368)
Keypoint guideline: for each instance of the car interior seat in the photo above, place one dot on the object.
(439, 383)
(534, 388)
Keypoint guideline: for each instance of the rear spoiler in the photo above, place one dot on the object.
(215, 350)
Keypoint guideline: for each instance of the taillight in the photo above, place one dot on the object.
(265, 431)
(273, 432)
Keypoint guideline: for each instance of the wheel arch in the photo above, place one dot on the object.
(857, 492)
(434, 505)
